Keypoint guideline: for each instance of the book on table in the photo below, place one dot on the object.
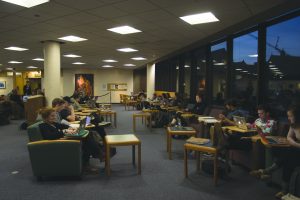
(198, 141)
(181, 128)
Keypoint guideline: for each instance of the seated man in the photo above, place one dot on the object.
(232, 110)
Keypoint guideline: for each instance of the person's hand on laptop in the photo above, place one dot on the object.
(71, 130)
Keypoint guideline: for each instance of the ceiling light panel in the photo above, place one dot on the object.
(200, 18)
(72, 56)
(110, 61)
(129, 65)
(13, 48)
(15, 62)
(26, 3)
(72, 38)
(139, 58)
(127, 50)
(38, 59)
(78, 63)
(107, 66)
(124, 30)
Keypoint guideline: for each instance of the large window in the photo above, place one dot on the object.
(245, 69)
(200, 71)
(218, 54)
(283, 60)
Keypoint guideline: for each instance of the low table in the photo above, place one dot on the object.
(144, 115)
(122, 140)
(189, 131)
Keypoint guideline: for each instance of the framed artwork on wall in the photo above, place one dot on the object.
(2, 84)
(84, 84)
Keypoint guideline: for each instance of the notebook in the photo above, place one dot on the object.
(198, 141)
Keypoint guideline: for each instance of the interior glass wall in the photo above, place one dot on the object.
(283, 60)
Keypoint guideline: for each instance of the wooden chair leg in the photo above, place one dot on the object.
(198, 157)
(185, 163)
(216, 169)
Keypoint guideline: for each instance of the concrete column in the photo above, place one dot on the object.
(52, 79)
(150, 80)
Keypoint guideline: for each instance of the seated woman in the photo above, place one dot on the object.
(289, 157)
(199, 105)
(51, 130)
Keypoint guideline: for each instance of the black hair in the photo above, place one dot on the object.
(264, 107)
(231, 102)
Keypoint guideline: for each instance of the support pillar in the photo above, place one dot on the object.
(52, 79)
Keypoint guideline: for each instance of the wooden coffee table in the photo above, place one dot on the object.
(122, 140)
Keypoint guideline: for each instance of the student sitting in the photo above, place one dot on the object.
(199, 105)
(231, 110)
(289, 157)
(178, 121)
(51, 130)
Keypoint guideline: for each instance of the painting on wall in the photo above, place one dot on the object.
(2, 84)
(84, 84)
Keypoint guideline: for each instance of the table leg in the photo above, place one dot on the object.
(185, 162)
(115, 119)
(107, 160)
(150, 122)
(139, 159)
(133, 154)
(216, 169)
(198, 155)
(133, 121)
(170, 147)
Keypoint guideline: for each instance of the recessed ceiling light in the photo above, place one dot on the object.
(186, 66)
(221, 63)
(127, 50)
(72, 38)
(16, 48)
(72, 56)
(124, 30)
(272, 66)
(38, 59)
(78, 63)
(32, 67)
(9, 68)
(27, 3)
(129, 65)
(15, 62)
(139, 58)
(253, 55)
(107, 66)
(200, 18)
(244, 71)
(110, 60)
(238, 69)
(198, 68)
(177, 67)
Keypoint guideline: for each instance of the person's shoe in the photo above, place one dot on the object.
(265, 177)
(280, 194)
(257, 173)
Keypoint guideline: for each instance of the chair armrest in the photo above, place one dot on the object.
(56, 157)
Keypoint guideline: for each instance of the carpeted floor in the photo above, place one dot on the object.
(160, 179)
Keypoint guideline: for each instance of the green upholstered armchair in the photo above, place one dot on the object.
(53, 157)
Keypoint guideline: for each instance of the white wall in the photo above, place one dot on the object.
(9, 85)
(101, 78)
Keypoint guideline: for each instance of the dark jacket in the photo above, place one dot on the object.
(52, 132)
(199, 108)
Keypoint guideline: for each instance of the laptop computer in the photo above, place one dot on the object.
(240, 122)
(80, 131)
(270, 139)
